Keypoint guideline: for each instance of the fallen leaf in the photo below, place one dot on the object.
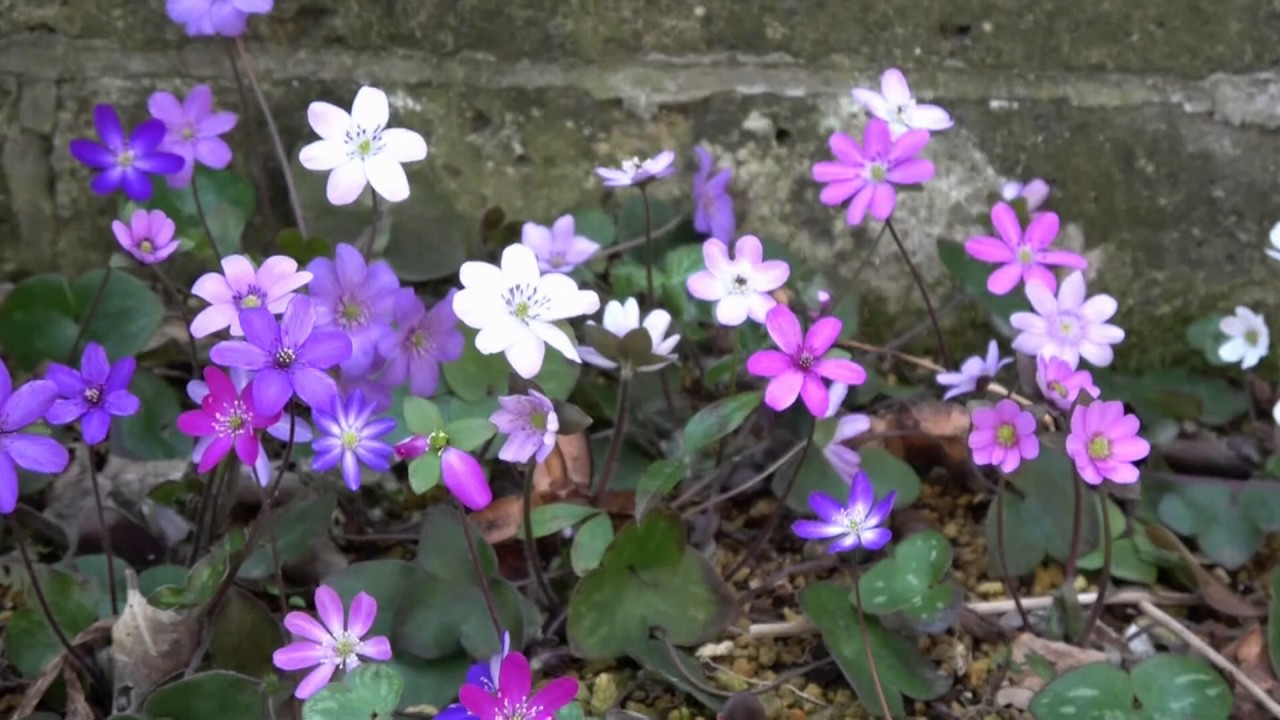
(1022, 682)
(35, 692)
(148, 645)
(77, 706)
(926, 433)
(566, 469)
(1249, 651)
(501, 520)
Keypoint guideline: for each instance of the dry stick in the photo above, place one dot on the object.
(531, 543)
(866, 643)
(204, 219)
(106, 532)
(259, 170)
(924, 364)
(281, 156)
(1010, 585)
(924, 292)
(776, 516)
(1105, 578)
(88, 316)
(615, 441)
(481, 579)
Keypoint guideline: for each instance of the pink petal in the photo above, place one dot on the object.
(732, 310)
(1042, 300)
(782, 391)
(299, 655)
(844, 148)
(315, 681)
(305, 626)
(858, 206)
(479, 703)
(837, 193)
(329, 608)
(988, 249)
(1130, 449)
(704, 286)
(883, 200)
(769, 363)
(1004, 279)
(715, 253)
(911, 172)
(213, 288)
(554, 695)
(464, 477)
(815, 395)
(784, 328)
(823, 334)
(748, 248)
(875, 138)
(514, 676)
(841, 371)
(1005, 221)
(376, 648)
(908, 145)
(1063, 258)
(1040, 275)
(829, 172)
(1071, 294)
(360, 617)
(1043, 230)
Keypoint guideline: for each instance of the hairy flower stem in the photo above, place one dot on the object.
(1077, 529)
(281, 156)
(924, 293)
(866, 643)
(106, 531)
(373, 225)
(482, 580)
(181, 300)
(620, 412)
(89, 315)
(204, 219)
(1010, 583)
(776, 516)
(531, 543)
(1104, 579)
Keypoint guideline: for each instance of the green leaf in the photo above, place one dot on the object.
(204, 577)
(595, 224)
(652, 655)
(370, 691)
(659, 480)
(151, 433)
(128, 313)
(1260, 501)
(469, 433)
(244, 635)
(1205, 336)
(718, 419)
(297, 527)
(449, 557)
(94, 569)
(37, 322)
(424, 472)
(1097, 690)
(30, 642)
(388, 581)
(226, 198)
(648, 579)
(887, 472)
(1175, 393)
(1181, 686)
(914, 565)
(430, 682)
(589, 544)
(558, 375)
(1040, 522)
(551, 519)
(572, 711)
(212, 695)
(1211, 515)
(475, 375)
(631, 222)
(422, 416)
(304, 250)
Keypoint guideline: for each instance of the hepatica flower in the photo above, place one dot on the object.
(559, 248)
(1022, 257)
(286, 428)
(515, 308)
(712, 204)
(530, 423)
(227, 18)
(483, 675)
(639, 172)
(349, 434)
(843, 459)
(193, 130)
(864, 175)
(1003, 436)
(34, 453)
(227, 419)
(1060, 383)
(973, 370)
(857, 523)
(512, 699)
(94, 394)
(739, 286)
(1069, 325)
(1248, 339)
(124, 162)
(423, 341)
(895, 105)
(359, 149)
(357, 298)
(149, 236)
(620, 318)
(440, 452)
(1034, 193)
(330, 644)
(799, 368)
(1104, 443)
(242, 287)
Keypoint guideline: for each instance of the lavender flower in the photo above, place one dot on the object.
(973, 371)
(713, 206)
(865, 175)
(124, 162)
(559, 248)
(227, 18)
(1069, 325)
(740, 287)
(149, 236)
(193, 130)
(357, 298)
(858, 523)
(1035, 192)
(423, 341)
(99, 391)
(635, 171)
(530, 423)
(333, 645)
(33, 453)
(843, 459)
(349, 433)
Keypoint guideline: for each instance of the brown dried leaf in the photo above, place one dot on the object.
(566, 469)
(149, 644)
(77, 706)
(501, 520)
(96, 632)
(928, 433)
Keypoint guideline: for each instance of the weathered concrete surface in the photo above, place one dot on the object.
(1155, 120)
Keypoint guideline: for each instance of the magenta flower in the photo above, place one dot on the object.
(193, 130)
(1069, 325)
(1003, 436)
(241, 287)
(282, 429)
(33, 453)
(1022, 257)
(229, 418)
(357, 298)
(124, 162)
(739, 287)
(227, 18)
(149, 236)
(559, 248)
(713, 206)
(349, 434)
(799, 368)
(530, 423)
(93, 395)
(1104, 443)
(864, 175)
(330, 644)
(1060, 383)
(895, 105)
(973, 370)
(512, 700)
(464, 476)
(858, 523)
(1035, 192)
(635, 171)
(290, 356)
(843, 459)
(411, 448)
(422, 342)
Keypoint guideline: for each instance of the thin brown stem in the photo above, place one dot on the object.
(281, 156)
(259, 171)
(1104, 579)
(482, 580)
(204, 219)
(1077, 529)
(89, 315)
(776, 516)
(531, 543)
(620, 412)
(866, 643)
(740, 489)
(273, 542)
(1010, 583)
(106, 531)
(924, 293)
(20, 539)
(648, 248)
(203, 515)
(181, 300)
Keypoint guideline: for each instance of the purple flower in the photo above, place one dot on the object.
(34, 453)
(333, 645)
(227, 18)
(799, 368)
(149, 236)
(634, 171)
(289, 356)
(93, 395)
(530, 423)
(511, 699)
(858, 523)
(349, 433)
(412, 447)
(1069, 326)
(229, 419)
(356, 297)
(843, 459)
(1035, 192)
(422, 342)
(464, 476)
(376, 392)
(241, 287)
(895, 105)
(1060, 383)
(124, 162)
(1104, 443)
(287, 425)
(1003, 436)
(1022, 257)
(867, 173)
(192, 130)
(559, 248)
(973, 370)
(713, 206)
(739, 287)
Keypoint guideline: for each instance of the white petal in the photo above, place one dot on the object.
(556, 338)
(1232, 350)
(1275, 413)
(323, 155)
(404, 145)
(566, 300)
(500, 333)
(483, 275)
(632, 308)
(370, 109)
(525, 354)
(657, 323)
(615, 318)
(894, 87)
(329, 121)
(387, 177)
(519, 266)
(591, 357)
(346, 182)
(478, 307)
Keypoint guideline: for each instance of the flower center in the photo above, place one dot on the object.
(350, 439)
(125, 158)
(364, 143)
(344, 649)
(524, 303)
(93, 394)
(538, 421)
(850, 520)
(284, 358)
(232, 420)
(1099, 447)
(1066, 326)
(632, 165)
(1057, 388)
(250, 298)
(438, 440)
(420, 343)
(147, 246)
(351, 313)
(556, 259)
(188, 132)
(740, 283)
(1025, 256)
(1006, 435)
(877, 172)
(1251, 336)
(515, 711)
(805, 361)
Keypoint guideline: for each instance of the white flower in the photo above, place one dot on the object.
(360, 149)
(1274, 250)
(637, 172)
(1248, 339)
(895, 105)
(973, 370)
(515, 307)
(622, 318)
(1069, 325)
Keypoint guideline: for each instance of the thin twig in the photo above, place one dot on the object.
(274, 131)
(106, 532)
(776, 516)
(259, 170)
(635, 242)
(481, 579)
(1010, 584)
(204, 220)
(273, 542)
(531, 543)
(924, 293)
(89, 315)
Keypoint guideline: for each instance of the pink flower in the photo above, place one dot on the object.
(229, 418)
(798, 370)
(895, 105)
(1104, 443)
(739, 287)
(242, 286)
(285, 426)
(1022, 257)
(559, 248)
(1003, 436)
(333, 645)
(1060, 383)
(867, 173)
(149, 236)
(512, 699)
(1069, 325)
(411, 447)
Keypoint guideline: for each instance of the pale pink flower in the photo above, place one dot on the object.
(1069, 325)
(895, 105)
(241, 286)
(740, 286)
(1060, 383)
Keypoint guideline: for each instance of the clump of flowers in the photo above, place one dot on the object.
(864, 175)
(1104, 443)
(356, 297)
(125, 161)
(740, 286)
(1069, 326)
(99, 391)
(149, 236)
(800, 367)
(333, 643)
(860, 522)
(973, 370)
(193, 130)
(1022, 257)
(1003, 436)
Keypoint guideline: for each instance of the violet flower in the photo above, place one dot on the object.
(411, 448)
(422, 342)
(241, 287)
(559, 248)
(124, 162)
(1060, 383)
(1069, 326)
(349, 434)
(843, 459)
(229, 419)
(740, 286)
(149, 236)
(857, 523)
(287, 428)
(330, 644)
(193, 130)
(1022, 257)
(799, 368)
(94, 394)
(895, 105)
(33, 453)
(530, 422)
(973, 371)
(1104, 443)
(357, 298)
(1003, 436)
(712, 204)
(635, 171)
(227, 18)
(864, 175)
(512, 699)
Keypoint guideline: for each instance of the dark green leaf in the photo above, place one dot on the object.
(589, 544)
(475, 375)
(1181, 686)
(127, 315)
(1039, 522)
(422, 416)
(887, 472)
(37, 322)
(30, 642)
(304, 250)
(551, 519)
(595, 224)
(388, 581)
(151, 433)
(659, 480)
(1205, 512)
(297, 527)
(226, 198)
(244, 635)
(1205, 336)
(212, 695)
(972, 276)
(652, 654)
(448, 557)
(718, 419)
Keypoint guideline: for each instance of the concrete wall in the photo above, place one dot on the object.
(1155, 120)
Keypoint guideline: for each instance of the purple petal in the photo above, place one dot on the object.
(27, 404)
(137, 184)
(465, 478)
(271, 389)
(364, 610)
(825, 506)
(841, 371)
(260, 328)
(35, 453)
(107, 123)
(784, 328)
(8, 484)
(376, 648)
(911, 172)
(822, 335)
(146, 137)
(816, 530)
(1005, 279)
(875, 538)
(315, 387)
(121, 403)
(325, 348)
(92, 154)
(883, 199)
(94, 426)
(329, 609)
(315, 681)
(514, 676)
(66, 410)
(69, 382)
(295, 326)
(121, 374)
(881, 509)
(782, 391)
(239, 354)
(300, 655)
